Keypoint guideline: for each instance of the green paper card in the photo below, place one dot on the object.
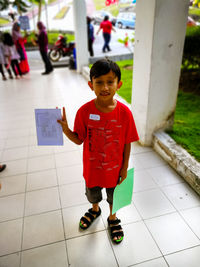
(123, 193)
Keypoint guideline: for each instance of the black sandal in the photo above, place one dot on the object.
(115, 230)
(92, 215)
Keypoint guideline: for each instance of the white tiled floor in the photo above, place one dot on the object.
(42, 196)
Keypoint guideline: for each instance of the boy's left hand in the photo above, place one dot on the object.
(122, 175)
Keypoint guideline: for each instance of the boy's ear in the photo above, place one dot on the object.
(119, 85)
(90, 85)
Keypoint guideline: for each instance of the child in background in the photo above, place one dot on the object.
(3, 61)
(11, 54)
(106, 128)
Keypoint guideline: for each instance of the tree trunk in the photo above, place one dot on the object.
(39, 10)
(18, 9)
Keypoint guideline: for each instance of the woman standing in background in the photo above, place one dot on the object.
(42, 42)
(19, 42)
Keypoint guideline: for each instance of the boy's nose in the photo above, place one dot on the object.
(106, 86)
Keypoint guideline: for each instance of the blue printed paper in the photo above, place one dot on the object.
(49, 131)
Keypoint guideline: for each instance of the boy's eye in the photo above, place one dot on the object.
(99, 82)
(110, 82)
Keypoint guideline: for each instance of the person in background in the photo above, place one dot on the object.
(90, 31)
(19, 42)
(3, 61)
(42, 41)
(2, 167)
(107, 27)
(11, 54)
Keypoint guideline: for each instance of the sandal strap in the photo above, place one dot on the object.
(89, 215)
(114, 222)
(95, 212)
(114, 228)
(86, 221)
(116, 234)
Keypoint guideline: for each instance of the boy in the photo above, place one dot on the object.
(106, 128)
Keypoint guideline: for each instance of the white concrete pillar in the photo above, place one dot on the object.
(159, 41)
(81, 41)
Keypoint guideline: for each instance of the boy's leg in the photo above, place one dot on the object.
(95, 207)
(113, 217)
(94, 196)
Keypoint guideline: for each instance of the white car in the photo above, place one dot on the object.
(98, 17)
(126, 20)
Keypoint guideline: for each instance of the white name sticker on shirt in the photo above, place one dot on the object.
(94, 117)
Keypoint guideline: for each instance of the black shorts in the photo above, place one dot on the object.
(94, 194)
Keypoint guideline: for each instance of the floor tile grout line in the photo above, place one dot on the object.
(181, 250)
(35, 156)
(27, 249)
(146, 261)
(172, 202)
(198, 237)
(65, 207)
(63, 224)
(149, 231)
(82, 204)
(177, 212)
(23, 221)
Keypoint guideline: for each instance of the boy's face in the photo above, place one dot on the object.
(105, 86)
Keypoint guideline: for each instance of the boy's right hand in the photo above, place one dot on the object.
(64, 122)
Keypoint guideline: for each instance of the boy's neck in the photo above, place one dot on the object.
(105, 107)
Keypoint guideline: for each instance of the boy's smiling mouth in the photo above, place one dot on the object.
(104, 93)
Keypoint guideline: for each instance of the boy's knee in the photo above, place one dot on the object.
(94, 194)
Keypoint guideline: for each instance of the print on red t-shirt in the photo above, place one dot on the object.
(104, 136)
(104, 144)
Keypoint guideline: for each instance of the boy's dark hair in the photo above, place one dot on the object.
(104, 66)
(7, 39)
(106, 18)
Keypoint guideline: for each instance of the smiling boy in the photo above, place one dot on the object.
(106, 128)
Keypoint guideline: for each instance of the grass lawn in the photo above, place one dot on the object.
(62, 13)
(186, 128)
(195, 11)
(52, 37)
(126, 67)
(4, 21)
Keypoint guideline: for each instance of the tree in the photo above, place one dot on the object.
(4, 4)
(20, 4)
(39, 3)
(196, 3)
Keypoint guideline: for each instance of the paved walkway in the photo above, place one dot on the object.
(42, 196)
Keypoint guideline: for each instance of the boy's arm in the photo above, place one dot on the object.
(126, 154)
(71, 135)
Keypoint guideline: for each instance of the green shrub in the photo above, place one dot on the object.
(52, 37)
(191, 52)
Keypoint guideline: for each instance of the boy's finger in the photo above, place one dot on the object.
(64, 114)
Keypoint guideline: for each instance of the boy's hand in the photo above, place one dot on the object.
(122, 175)
(63, 122)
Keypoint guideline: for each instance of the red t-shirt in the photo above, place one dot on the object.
(104, 136)
(106, 26)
